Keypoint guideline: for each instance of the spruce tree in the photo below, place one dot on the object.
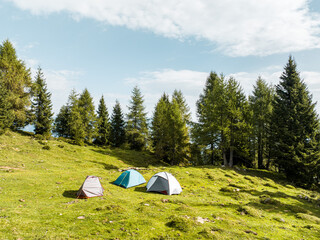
(237, 129)
(61, 125)
(160, 128)
(181, 101)
(42, 106)
(103, 124)
(261, 105)
(295, 126)
(16, 80)
(179, 142)
(6, 115)
(75, 125)
(137, 129)
(209, 132)
(117, 133)
(88, 116)
(170, 134)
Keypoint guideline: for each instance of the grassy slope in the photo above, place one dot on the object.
(37, 189)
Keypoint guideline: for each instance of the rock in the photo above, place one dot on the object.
(81, 217)
(249, 231)
(282, 220)
(146, 204)
(202, 220)
(267, 200)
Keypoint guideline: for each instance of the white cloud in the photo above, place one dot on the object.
(59, 83)
(154, 83)
(235, 27)
(191, 83)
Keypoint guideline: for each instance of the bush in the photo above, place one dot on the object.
(249, 211)
(46, 147)
(181, 223)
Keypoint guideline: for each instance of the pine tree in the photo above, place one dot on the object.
(159, 128)
(211, 113)
(179, 142)
(184, 108)
(61, 125)
(15, 78)
(75, 126)
(295, 126)
(137, 129)
(6, 115)
(237, 128)
(261, 105)
(117, 133)
(88, 116)
(103, 124)
(42, 106)
(170, 135)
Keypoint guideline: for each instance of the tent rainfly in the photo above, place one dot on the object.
(130, 178)
(165, 183)
(91, 187)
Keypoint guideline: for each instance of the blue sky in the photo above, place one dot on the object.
(111, 46)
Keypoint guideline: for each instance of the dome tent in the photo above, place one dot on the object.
(129, 178)
(165, 183)
(91, 187)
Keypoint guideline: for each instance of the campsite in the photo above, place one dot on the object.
(39, 186)
(159, 120)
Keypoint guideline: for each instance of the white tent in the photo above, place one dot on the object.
(91, 187)
(165, 183)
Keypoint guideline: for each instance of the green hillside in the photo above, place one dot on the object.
(39, 180)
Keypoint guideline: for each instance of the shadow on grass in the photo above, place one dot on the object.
(70, 193)
(105, 165)
(130, 157)
(140, 189)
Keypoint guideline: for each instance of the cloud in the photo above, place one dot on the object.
(154, 83)
(60, 83)
(192, 83)
(235, 27)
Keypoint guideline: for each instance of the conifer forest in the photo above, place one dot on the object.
(274, 128)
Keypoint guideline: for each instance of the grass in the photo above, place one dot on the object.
(38, 186)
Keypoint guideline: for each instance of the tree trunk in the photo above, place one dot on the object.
(212, 160)
(225, 162)
(231, 157)
(260, 152)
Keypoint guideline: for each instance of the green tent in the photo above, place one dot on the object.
(130, 178)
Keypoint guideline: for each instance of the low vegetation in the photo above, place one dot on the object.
(38, 188)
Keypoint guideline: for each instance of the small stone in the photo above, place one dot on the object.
(282, 220)
(146, 204)
(249, 231)
(81, 217)
(164, 200)
(22, 200)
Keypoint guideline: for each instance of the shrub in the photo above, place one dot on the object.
(249, 211)
(46, 147)
(181, 223)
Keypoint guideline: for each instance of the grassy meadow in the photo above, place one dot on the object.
(39, 180)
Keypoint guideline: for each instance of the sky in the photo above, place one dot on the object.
(111, 46)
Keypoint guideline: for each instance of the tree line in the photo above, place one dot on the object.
(275, 128)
